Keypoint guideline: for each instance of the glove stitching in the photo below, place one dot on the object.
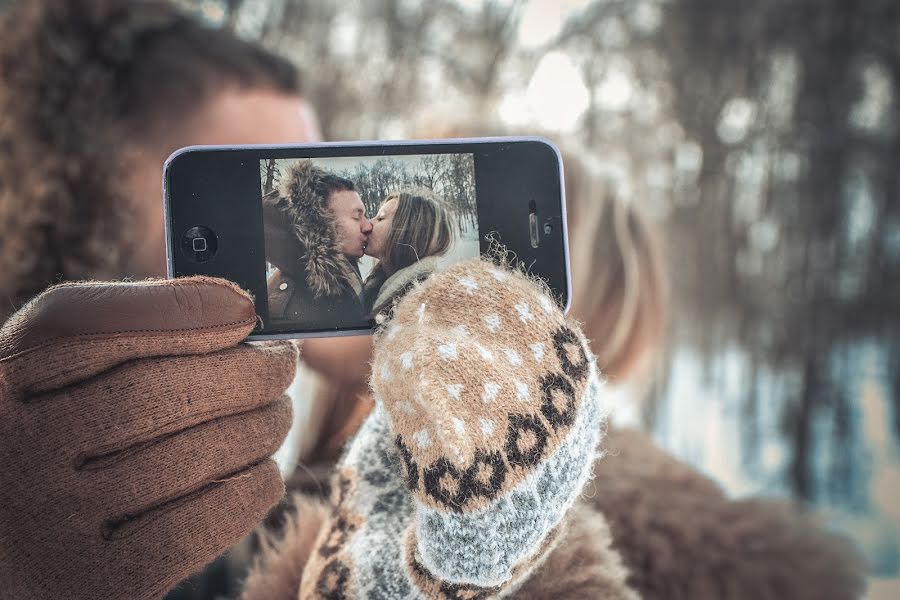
(111, 528)
(102, 458)
(100, 334)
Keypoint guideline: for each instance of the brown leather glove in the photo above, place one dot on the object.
(135, 432)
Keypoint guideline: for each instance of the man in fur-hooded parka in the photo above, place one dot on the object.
(316, 230)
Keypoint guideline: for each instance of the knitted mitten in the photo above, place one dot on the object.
(488, 415)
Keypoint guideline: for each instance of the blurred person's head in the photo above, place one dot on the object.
(94, 95)
(620, 289)
(410, 225)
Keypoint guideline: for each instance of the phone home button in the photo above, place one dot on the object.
(199, 244)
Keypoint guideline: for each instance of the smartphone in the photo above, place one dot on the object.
(327, 236)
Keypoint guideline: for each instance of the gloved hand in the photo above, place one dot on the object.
(487, 420)
(135, 435)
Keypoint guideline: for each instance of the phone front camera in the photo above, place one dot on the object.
(548, 228)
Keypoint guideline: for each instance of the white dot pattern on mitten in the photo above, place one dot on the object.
(422, 439)
(546, 304)
(484, 353)
(454, 390)
(522, 391)
(468, 284)
(524, 312)
(498, 275)
(448, 351)
(491, 390)
(513, 357)
(486, 424)
(531, 407)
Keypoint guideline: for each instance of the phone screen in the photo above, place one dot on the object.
(328, 237)
(344, 235)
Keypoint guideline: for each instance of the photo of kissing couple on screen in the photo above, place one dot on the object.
(346, 237)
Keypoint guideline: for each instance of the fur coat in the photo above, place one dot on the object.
(314, 286)
(648, 526)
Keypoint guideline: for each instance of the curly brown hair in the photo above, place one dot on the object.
(79, 81)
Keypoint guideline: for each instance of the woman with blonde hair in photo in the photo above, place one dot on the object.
(410, 232)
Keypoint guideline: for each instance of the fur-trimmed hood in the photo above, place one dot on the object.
(311, 249)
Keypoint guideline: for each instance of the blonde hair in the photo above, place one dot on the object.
(619, 287)
(420, 228)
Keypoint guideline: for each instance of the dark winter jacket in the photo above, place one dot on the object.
(313, 286)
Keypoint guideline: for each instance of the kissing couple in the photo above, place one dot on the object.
(316, 231)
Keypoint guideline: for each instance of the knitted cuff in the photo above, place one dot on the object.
(494, 403)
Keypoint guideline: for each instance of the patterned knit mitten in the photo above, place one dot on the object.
(487, 422)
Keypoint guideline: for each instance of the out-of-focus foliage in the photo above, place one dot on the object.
(762, 135)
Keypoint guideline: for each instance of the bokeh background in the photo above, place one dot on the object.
(764, 139)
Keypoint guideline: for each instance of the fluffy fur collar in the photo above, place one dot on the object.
(399, 282)
(323, 264)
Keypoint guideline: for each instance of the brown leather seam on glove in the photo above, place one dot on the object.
(99, 335)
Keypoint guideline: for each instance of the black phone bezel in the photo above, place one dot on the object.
(511, 173)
